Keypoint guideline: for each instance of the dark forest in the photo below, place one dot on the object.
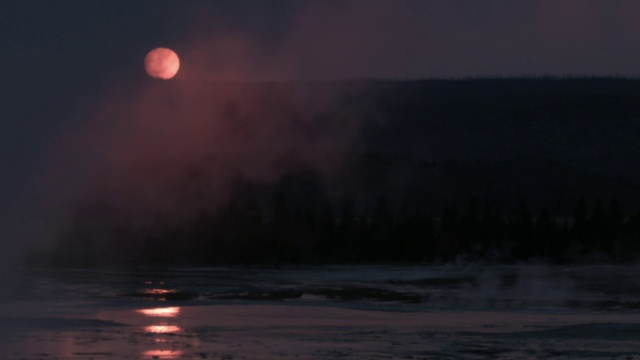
(496, 170)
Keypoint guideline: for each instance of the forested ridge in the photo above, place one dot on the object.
(244, 232)
(500, 170)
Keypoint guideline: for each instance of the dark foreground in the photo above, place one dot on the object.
(326, 313)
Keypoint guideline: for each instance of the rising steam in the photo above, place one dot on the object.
(169, 149)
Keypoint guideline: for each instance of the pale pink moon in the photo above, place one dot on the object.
(162, 63)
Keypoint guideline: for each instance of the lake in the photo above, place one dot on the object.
(346, 312)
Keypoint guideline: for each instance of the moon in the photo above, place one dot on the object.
(162, 63)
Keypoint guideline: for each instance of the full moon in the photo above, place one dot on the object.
(162, 63)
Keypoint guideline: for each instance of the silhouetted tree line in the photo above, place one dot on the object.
(452, 117)
(525, 116)
(245, 232)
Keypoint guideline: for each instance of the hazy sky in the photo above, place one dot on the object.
(54, 53)
(58, 57)
(76, 41)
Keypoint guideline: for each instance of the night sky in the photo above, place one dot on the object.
(59, 58)
(78, 42)
(55, 52)
(298, 133)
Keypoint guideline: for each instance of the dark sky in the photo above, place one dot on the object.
(81, 41)
(54, 51)
(58, 57)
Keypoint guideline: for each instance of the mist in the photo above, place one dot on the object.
(521, 286)
(408, 39)
(159, 152)
(142, 140)
(141, 150)
(182, 218)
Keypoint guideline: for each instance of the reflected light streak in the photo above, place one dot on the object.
(162, 354)
(161, 312)
(162, 329)
(158, 291)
